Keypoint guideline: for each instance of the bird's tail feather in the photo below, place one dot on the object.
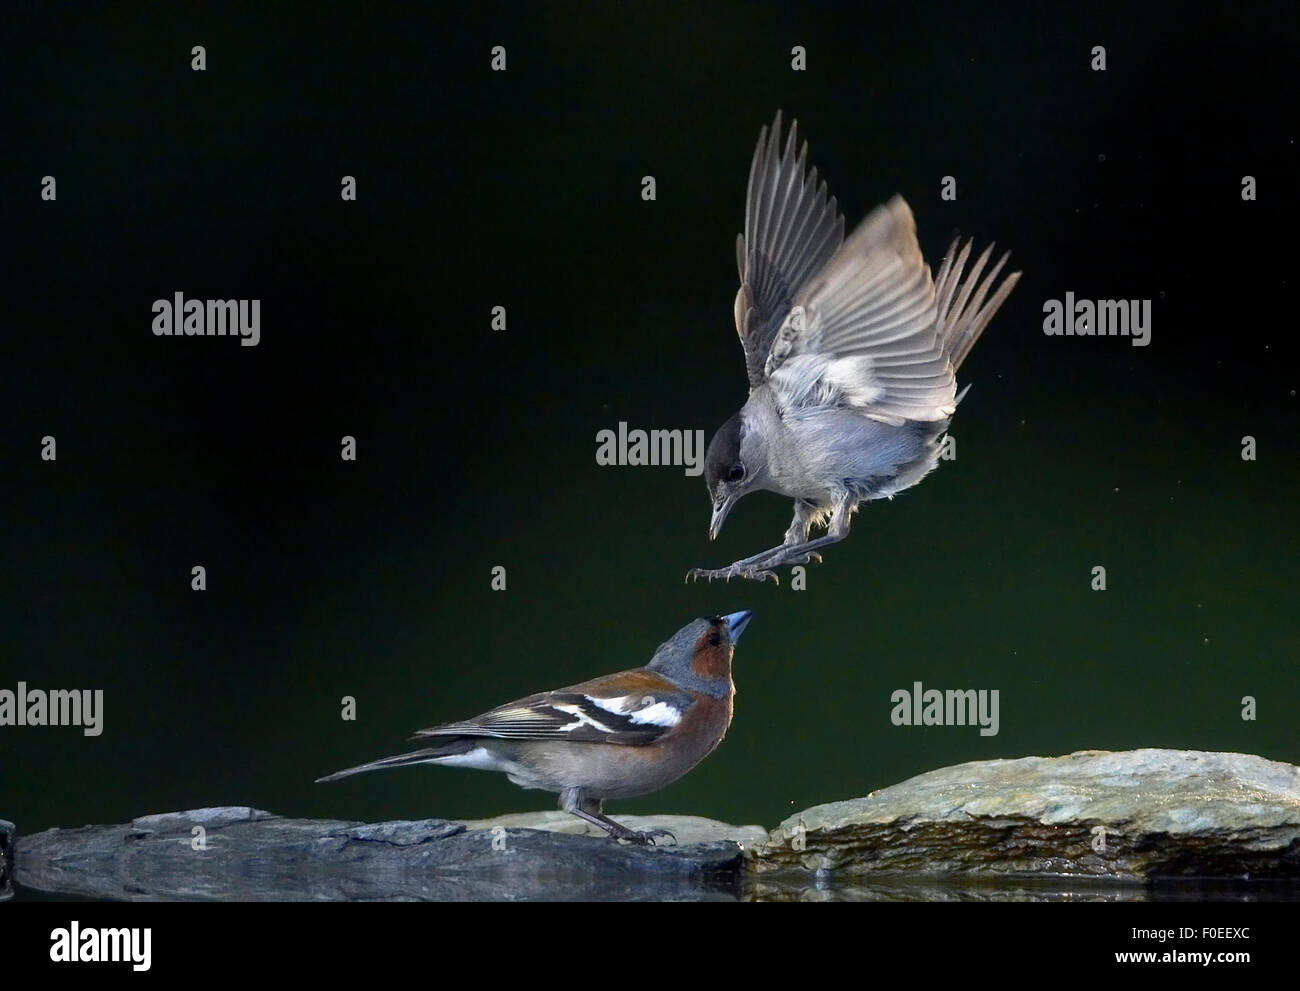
(963, 314)
(428, 755)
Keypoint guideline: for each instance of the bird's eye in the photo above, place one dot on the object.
(715, 640)
(736, 474)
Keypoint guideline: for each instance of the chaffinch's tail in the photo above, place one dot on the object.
(452, 748)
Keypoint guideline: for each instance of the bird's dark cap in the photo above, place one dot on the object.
(723, 452)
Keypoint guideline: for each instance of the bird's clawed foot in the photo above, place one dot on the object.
(737, 570)
(645, 837)
(760, 566)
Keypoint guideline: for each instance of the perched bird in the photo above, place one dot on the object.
(851, 351)
(617, 736)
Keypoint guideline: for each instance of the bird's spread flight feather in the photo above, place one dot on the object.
(854, 323)
(792, 229)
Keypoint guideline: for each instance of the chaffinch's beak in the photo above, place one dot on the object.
(720, 511)
(736, 623)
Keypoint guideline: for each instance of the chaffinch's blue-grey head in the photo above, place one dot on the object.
(698, 656)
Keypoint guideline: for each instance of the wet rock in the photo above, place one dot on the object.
(7, 830)
(1137, 815)
(686, 829)
(1089, 826)
(251, 855)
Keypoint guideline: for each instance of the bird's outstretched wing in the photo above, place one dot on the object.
(792, 229)
(632, 707)
(872, 331)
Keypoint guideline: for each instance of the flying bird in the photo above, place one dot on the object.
(617, 736)
(851, 351)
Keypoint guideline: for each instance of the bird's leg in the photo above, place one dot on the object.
(592, 810)
(804, 514)
(800, 553)
(779, 557)
(759, 566)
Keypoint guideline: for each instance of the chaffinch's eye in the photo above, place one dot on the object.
(715, 640)
(736, 474)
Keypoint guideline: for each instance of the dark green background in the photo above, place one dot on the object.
(476, 449)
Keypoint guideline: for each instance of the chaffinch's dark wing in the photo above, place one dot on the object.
(629, 708)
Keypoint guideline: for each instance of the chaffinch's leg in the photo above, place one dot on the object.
(592, 810)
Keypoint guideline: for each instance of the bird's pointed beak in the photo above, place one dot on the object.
(737, 621)
(720, 511)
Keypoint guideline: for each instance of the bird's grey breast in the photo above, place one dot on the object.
(829, 449)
